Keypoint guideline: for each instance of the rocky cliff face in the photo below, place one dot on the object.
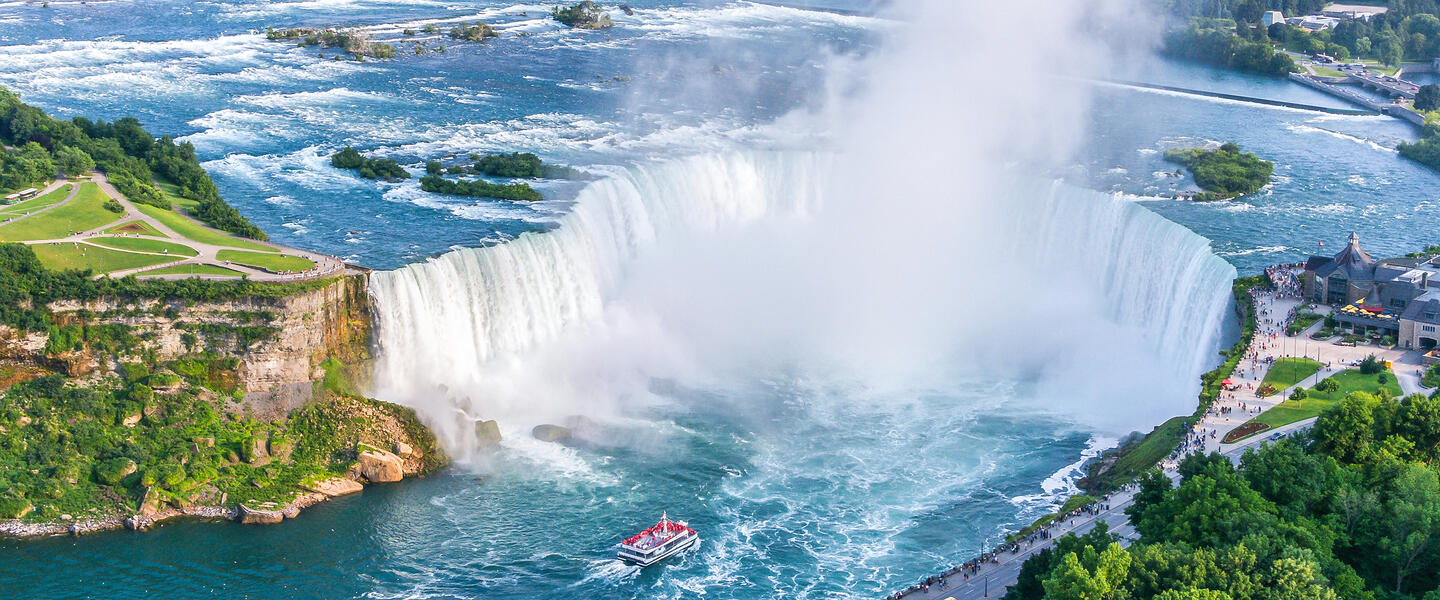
(279, 343)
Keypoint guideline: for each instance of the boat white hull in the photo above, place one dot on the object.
(642, 560)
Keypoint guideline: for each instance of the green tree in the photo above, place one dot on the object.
(1346, 430)
(1412, 522)
(1212, 509)
(1428, 98)
(1072, 580)
(1286, 475)
(73, 161)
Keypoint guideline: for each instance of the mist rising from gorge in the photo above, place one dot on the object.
(916, 247)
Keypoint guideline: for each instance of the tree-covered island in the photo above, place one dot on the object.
(515, 165)
(369, 168)
(1225, 172)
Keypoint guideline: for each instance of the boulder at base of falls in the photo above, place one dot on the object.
(550, 433)
(487, 433)
(334, 486)
(260, 516)
(380, 466)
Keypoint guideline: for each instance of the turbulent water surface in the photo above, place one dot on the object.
(818, 460)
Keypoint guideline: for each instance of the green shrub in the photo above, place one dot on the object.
(112, 471)
(1371, 365)
(14, 508)
(1328, 385)
(169, 475)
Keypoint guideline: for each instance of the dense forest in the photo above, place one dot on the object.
(1230, 33)
(129, 156)
(1350, 509)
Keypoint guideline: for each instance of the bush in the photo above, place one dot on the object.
(1298, 395)
(14, 508)
(1328, 385)
(1431, 378)
(1383, 378)
(112, 471)
(1371, 365)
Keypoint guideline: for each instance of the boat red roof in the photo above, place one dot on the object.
(659, 534)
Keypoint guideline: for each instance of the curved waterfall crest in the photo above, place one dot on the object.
(462, 333)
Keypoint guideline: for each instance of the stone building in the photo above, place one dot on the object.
(1398, 296)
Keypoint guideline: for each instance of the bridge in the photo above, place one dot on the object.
(1395, 88)
(1334, 86)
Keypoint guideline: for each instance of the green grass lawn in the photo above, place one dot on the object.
(145, 245)
(34, 204)
(192, 269)
(139, 227)
(66, 255)
(1289, 371)
(274, 262)
(172, 193)
(85, 212)
(1327, 72)
(1316, 402)
(192, 230)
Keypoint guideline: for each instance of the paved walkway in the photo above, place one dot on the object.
(55, 185)
(1273, 311)
(325, 265)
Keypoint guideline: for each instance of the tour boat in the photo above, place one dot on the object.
(667, 538)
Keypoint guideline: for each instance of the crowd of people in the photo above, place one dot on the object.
(975, 566)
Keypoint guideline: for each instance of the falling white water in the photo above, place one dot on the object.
(714, 268)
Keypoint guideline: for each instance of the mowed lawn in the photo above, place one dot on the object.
(280, 263)
(137, 227)
(192, 230)
(85, 212)
(1316, 402)
(68, 255)
(145, 245)
(1290, 371)
(193, 269)
(34, 204)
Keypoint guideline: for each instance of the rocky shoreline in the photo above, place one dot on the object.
(372, 466)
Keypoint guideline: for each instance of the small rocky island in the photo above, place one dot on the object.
(585, 15)
(1224, 172)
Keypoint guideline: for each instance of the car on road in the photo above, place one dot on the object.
(1275, 436)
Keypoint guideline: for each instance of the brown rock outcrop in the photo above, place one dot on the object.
(380, 466)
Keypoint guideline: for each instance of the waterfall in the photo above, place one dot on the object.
(730, 264)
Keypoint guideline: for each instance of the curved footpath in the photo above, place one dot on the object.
(1272, 308)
